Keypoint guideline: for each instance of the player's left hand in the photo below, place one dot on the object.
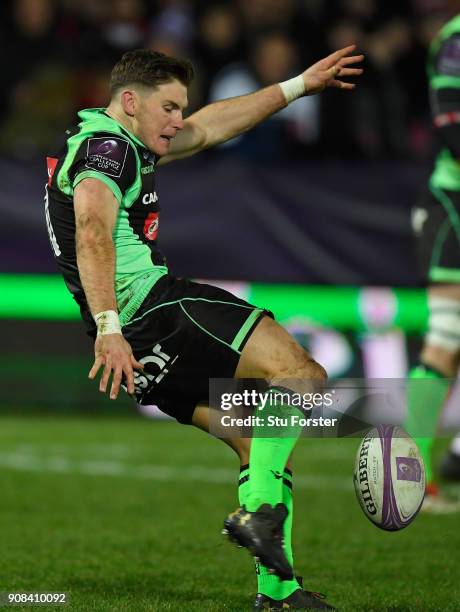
(329, 71)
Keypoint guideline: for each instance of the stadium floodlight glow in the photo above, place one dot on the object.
(337, 307)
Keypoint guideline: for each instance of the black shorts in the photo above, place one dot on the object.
(436, 224)
(186, 333)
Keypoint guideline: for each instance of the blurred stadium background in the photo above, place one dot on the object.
(308, 214)
(321, 194)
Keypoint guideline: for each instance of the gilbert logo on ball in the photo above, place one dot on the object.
(389, 477)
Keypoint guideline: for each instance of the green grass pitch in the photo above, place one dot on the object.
(126, 513)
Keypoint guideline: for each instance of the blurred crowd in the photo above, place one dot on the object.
(57, 54)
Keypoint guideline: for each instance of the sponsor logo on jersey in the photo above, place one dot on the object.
(151, 225)
(51, 163)
(150, 198)
(148, 169)
(106, 155)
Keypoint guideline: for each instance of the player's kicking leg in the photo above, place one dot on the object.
(273, 594)
(264, 519)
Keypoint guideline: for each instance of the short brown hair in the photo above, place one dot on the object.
(149, 68)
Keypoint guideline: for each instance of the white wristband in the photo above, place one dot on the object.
(107, 323)
(293, 88)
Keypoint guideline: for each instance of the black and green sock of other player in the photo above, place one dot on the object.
(427, 392)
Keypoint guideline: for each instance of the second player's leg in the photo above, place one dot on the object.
(202, 419)
(430, 381)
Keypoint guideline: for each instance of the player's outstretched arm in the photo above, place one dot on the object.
(223, 120)
(95, 215)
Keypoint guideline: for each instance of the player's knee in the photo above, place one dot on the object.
(318, 372)
(311, 369)
(302, 366)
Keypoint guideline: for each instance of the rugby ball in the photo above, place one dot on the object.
(389, 477)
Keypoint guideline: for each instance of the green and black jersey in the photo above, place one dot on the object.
(101, 148)
(436, 221)
(444, 84)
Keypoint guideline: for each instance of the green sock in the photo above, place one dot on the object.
(427, 392)
(287, 501)
(267, 583)
(269, 455)
(286, 587)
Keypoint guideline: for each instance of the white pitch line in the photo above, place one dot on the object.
(162, 473)
(333, 453)
(115, 450)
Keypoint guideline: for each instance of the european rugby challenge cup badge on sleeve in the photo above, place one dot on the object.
(107, 155)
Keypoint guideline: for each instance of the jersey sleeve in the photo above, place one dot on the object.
(108, 158)
(445, 95)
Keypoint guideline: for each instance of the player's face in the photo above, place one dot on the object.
(159, 115)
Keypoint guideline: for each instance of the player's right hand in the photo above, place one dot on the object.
(114, 353)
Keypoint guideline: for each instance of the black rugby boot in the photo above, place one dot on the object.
(261, 532)
(299, 600)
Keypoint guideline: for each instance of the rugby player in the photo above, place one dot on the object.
(437, 227)
(165, 337)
